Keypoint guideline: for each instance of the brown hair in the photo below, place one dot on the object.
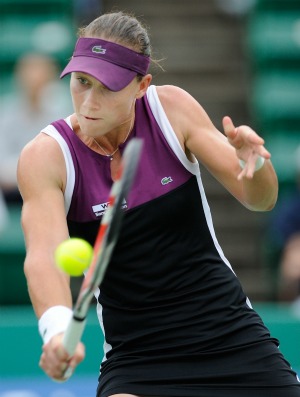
(121, 28)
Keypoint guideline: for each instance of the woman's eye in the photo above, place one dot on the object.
(82, 80)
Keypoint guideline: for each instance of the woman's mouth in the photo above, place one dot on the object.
(90, 118)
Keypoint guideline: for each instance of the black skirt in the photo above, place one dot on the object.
(257, 369)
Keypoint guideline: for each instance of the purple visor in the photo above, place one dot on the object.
(113, 65)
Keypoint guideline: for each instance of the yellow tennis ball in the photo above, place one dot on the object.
(73, 256)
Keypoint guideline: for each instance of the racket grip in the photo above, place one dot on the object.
(71, 338)
(73, 335)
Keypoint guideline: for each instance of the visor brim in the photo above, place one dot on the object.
(114, 77)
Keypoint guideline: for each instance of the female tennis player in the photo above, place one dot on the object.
(175, 318)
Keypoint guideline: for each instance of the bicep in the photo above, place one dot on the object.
(212, 149)
(44, 224)
(41, 184)
(44, 221)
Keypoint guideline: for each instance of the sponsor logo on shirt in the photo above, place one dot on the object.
(100, 209)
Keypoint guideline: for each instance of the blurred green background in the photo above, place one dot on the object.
(240, 58)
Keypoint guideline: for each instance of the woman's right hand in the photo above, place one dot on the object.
(55, 360)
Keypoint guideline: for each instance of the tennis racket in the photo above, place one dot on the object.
(104, 245)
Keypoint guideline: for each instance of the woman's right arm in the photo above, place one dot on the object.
(41, 179)
(41, 175)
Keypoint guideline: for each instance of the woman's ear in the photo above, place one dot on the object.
(143, 85)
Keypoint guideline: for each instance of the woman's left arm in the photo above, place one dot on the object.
(221, 153)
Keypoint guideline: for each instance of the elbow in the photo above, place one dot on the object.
(264, 205)
(263, 197)
(271, 205)
(265, 208)
(271, 199)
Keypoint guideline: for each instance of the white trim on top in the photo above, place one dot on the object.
(70, 170)
(164, 124)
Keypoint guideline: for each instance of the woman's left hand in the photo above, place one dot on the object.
(248, 145)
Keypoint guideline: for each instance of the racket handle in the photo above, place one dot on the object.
(72, 337)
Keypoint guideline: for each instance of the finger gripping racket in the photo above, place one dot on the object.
(104, 245)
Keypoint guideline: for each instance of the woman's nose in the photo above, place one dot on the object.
(92, 99)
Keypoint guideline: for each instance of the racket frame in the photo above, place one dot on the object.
(104, 245)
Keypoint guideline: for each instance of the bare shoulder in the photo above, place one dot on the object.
(41, 163)
(180, 104)
(171, 95)
(41, 144)
(184, 112)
